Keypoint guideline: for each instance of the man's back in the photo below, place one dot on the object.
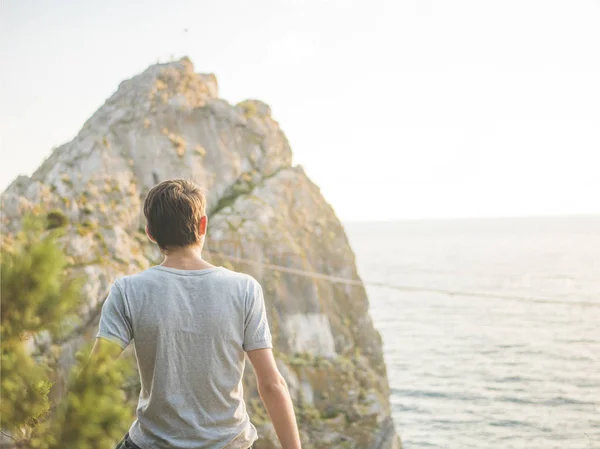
(190, 330)
(191, 323)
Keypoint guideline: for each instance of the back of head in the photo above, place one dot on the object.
(174, 210)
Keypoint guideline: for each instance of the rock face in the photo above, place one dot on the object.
(169, 122)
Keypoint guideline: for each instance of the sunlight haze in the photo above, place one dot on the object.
(396, 109)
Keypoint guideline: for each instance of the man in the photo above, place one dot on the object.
(191, 324)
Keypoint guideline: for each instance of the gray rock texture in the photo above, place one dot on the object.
(169, 122)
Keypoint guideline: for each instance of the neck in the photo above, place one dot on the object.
(185, 259)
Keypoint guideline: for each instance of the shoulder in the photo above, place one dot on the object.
(242, 279)
(124, 283)
(245, 285)
(152, 278)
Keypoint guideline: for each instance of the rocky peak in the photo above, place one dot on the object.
(168, 122)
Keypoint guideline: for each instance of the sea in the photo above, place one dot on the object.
(491, 329)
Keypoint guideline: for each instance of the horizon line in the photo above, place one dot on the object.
(475, 218)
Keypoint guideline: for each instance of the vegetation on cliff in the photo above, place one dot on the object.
(39, 297)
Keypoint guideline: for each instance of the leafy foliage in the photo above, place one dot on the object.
(38, 295)
(36, 292)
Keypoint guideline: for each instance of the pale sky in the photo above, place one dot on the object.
(396, 109)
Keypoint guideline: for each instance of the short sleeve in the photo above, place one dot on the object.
(257, 334)
(115, 320)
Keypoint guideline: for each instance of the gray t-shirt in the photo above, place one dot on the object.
(190, 330)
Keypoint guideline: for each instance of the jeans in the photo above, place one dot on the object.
(126, 443)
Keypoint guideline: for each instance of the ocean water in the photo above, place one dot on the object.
(492, 339)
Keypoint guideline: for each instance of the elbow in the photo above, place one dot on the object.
(273, 387)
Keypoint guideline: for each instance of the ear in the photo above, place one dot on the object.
(203, 225)
(149, 235)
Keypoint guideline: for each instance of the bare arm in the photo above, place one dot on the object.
(275, 395)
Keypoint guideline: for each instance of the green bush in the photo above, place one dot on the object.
(39, 295)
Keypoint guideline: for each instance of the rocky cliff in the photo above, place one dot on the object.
(169, 122)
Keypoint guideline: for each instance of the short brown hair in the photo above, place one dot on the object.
(173, 210)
